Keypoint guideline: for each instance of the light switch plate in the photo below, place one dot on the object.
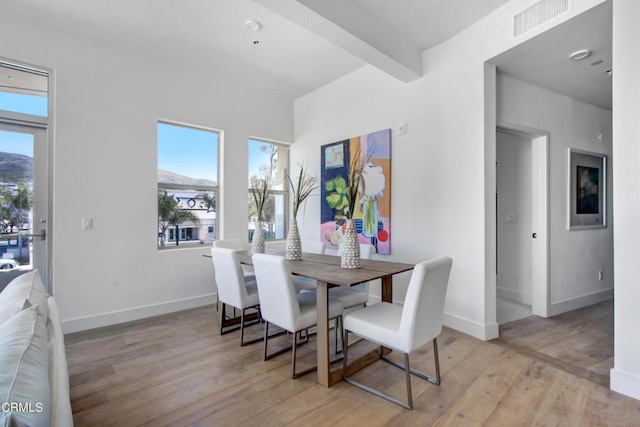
(87, 223)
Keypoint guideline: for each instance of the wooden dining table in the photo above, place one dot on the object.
(326, 270)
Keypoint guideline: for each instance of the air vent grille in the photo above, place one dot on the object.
(538, 14)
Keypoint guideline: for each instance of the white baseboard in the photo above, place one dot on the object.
(136, 313)
(515, 296)
(583, 301)
(469, 327)
(625, 383)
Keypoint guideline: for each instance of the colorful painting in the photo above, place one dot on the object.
(372, 215)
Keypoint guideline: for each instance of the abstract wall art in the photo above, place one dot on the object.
(372, 214)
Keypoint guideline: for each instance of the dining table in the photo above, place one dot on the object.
(327, 272)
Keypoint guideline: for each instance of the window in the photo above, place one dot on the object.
(187, 185)
(24, 90)
(269, 161)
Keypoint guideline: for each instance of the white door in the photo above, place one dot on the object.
(23, 192)
(522, 215)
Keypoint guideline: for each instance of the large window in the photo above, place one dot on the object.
(269, 163)
(187, 185)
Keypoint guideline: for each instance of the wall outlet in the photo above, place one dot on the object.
(600, 275)
(87, 223)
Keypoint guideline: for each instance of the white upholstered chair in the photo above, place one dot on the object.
(234, 288)
(311, 247)
(283, 307)
(405, 328)
(235, 244)
(355, 295)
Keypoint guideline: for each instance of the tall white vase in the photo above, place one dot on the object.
(257, 241)
(294, 247)
(350, 257)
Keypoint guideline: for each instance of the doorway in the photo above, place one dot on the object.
(521, 224)
(23, 199)
(24, 172)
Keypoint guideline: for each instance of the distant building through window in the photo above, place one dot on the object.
(269, 162)
(187, 185)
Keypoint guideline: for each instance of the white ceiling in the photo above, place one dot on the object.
(305, 44)
(544, 60)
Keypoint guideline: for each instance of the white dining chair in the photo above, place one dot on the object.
(355, 295)
(313, 246)
(234, 289)
(310, 247)
(405, 328)
(235, 244)
(283, 307)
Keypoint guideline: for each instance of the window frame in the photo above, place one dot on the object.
(171, 188)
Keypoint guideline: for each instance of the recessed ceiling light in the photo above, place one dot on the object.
(252, 25)
(598, 62)
(580, 54)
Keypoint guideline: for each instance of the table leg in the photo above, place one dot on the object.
(322, 302)
(387, 288)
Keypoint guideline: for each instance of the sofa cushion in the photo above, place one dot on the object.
(28, 287)
(60, 413)
(24, 381)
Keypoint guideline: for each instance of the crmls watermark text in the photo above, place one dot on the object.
(22, 407)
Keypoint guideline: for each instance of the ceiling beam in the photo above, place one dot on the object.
(393, 58)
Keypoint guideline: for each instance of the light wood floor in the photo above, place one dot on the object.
(579, 342)
(177, 370)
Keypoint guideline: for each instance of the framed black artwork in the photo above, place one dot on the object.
(587, 204)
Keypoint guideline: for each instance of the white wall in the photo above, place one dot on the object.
(107, 107)
(576, 256)
(443, 171)
(514, 188)
(625, 376)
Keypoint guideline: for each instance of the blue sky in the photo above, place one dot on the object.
(28, 104)
(188, 151)
(256, 157)
(14, 142)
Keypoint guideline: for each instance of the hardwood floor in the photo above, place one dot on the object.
(579, 342)
(177, 370)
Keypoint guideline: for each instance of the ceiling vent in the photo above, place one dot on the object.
(537, 14)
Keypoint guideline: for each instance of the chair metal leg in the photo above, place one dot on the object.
(345, 350)
(437, 360)
(222, 318)
(241, 328)
(293, 355)
(406, 367)
(266, 339)
(340, 330)
(407, 370)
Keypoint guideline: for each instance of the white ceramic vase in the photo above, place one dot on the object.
(350, 257)
(294, 247)
(257, 241)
